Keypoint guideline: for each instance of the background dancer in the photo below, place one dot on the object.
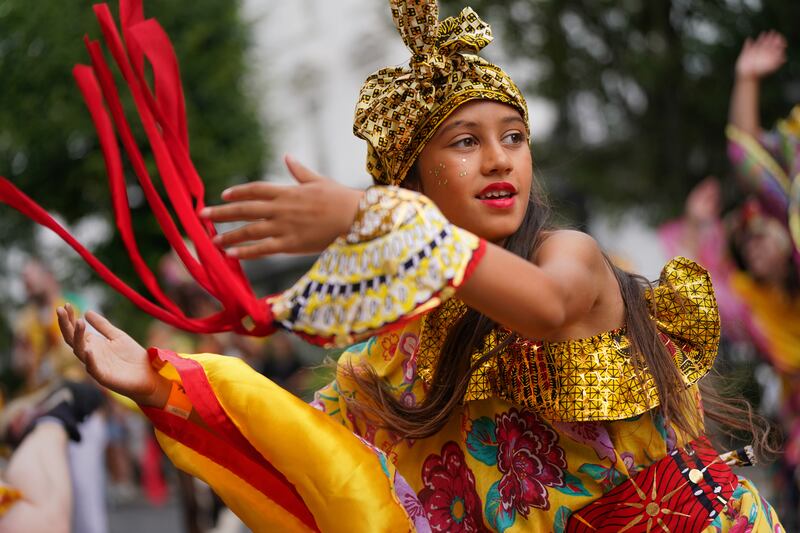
(36, 486)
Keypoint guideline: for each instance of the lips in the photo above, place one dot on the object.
(499, 194)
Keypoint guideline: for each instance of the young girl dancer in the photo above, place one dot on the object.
(499, 375)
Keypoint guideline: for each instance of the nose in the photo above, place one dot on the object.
(496, 159)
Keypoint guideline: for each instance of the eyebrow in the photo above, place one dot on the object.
(471, 124)
(513, 118)
(456, 124)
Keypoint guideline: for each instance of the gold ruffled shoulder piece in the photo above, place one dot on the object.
(686, 311)
(591, 378)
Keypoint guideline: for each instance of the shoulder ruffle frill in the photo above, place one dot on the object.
(592, 378)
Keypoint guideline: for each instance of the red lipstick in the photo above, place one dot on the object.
(500, 195)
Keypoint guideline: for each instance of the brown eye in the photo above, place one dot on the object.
(466, 142)
(514, 138)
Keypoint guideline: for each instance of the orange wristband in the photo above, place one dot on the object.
(178, 403)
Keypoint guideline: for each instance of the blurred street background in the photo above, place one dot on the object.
(629, 103)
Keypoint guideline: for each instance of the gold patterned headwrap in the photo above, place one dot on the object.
(400, 108)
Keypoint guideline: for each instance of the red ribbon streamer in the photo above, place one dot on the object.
(162, 114)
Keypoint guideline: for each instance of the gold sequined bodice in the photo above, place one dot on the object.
(592, 378)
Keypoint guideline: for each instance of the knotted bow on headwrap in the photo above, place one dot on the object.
(400, 108)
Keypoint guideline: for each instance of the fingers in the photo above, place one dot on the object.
(74, 332)
(300, 172)
(79, 339)
(260, 249)
(762, 56)
(772, 37)
(103, 326)
(251, 232)
(66, 326)
(770, 40)
(239, 210)
(257, 190)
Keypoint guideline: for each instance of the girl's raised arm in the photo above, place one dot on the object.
(758, 58)
(551, 298)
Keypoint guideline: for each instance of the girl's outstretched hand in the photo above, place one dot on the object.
(285, 219)
(113, 358)
(762, 56)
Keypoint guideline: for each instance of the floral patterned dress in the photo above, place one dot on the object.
(501, 466)
(550, 436)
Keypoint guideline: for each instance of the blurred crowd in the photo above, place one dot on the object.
(117, 460)
(748, 247)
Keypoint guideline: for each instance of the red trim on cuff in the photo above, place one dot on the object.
(477, 257)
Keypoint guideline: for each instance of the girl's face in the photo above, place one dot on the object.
(477, 169)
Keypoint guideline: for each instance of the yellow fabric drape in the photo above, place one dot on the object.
(330, 467)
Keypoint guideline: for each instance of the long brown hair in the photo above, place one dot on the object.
(454, 366)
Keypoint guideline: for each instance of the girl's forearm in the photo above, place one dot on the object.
(537, 300)
(744, 105)
(530, 306)
(156, 399)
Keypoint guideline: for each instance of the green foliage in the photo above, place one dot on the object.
(641, 88)
(48, 146)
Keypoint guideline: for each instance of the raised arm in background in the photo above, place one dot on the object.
(758, 58)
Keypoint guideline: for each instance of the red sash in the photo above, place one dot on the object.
(683, 492)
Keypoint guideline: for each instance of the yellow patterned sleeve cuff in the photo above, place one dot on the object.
(400, 259)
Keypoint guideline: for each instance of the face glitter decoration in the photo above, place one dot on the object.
(436, 173)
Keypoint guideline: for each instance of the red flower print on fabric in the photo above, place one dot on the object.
(389, 344)
(530, 460)
(449, 497)
(408, 348)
